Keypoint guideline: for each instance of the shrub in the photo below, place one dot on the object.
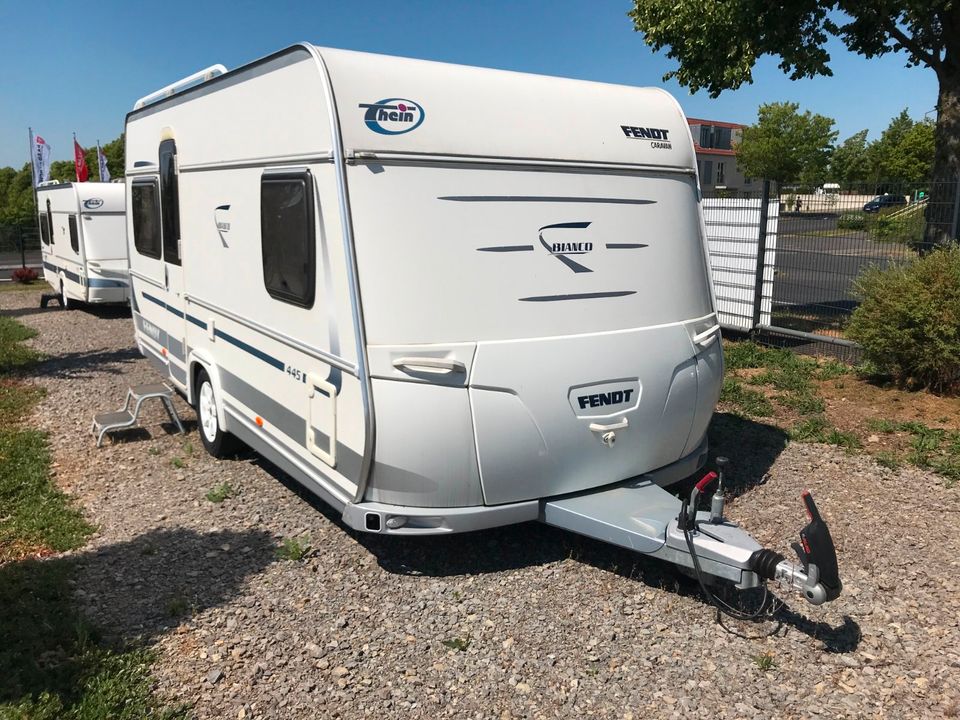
(852, 221)
(24, 275)
(907, 228)
(908, 321)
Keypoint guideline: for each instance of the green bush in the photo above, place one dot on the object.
(902, 228)
(908, 321)
(852, 221)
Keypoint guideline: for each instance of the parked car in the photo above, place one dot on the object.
(881, 202)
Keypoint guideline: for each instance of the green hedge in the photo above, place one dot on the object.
(908, 321)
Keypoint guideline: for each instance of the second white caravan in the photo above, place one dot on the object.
(83, 234)
(442, 297)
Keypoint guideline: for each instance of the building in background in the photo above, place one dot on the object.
(716, 158)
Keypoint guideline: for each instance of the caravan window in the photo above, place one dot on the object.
(287, 236)
(146, 219)
(50, 237)
(74, 236)
(170, 202)
(44, 229)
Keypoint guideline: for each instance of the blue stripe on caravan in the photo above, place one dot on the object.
(50, 266)
(175, 311)
(97, 283)
(157, 301)
(269, 359)
(196, 321)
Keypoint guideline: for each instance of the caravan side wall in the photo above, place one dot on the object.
(240, 146)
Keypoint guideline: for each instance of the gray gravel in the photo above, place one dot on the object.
(549, 624)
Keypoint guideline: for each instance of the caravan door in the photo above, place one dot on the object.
(176, 349)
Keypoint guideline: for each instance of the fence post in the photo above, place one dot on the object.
(761, 254)
(23, 254)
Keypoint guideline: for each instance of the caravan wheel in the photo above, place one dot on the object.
(217, 442)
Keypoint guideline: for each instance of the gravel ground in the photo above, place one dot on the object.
(546, 624)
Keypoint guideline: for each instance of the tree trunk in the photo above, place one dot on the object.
(942, 205)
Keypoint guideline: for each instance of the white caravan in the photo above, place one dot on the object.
(440, 297)
(83, 238)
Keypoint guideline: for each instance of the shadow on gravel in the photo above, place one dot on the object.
(131, 592)
(751, 446)
(74, 365)
(534, 544)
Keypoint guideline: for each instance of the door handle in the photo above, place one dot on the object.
(597, 427)
(706, 337)
(430, 364)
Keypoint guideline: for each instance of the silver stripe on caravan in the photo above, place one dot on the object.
(147, 279)
(317, 353)
(363, 374)
(259, 162)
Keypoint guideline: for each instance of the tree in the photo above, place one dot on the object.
(717, 45)
(784, 145)
(850, 163)
(904, 152)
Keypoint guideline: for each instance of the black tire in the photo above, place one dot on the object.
(217, 442)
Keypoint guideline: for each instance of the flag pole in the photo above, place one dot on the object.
(33, 174)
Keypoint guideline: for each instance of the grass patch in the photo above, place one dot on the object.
(293, 549)
(221, 493)
(458, 644)
(888, 460)
(13, 354)
(764, 662)
(750, 402)
(51, 662)
(805, 403)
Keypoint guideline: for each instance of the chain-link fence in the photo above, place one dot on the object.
(19, 247)
(821, 242)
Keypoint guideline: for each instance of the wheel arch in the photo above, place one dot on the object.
(196, 362)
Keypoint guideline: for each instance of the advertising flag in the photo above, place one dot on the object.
(41, 160)
(83, 174)
(102, 159)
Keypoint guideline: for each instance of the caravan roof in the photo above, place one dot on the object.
(457, 111)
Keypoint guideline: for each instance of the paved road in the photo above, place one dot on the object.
(817, 264)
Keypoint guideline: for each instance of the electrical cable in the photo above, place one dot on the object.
(719, 604)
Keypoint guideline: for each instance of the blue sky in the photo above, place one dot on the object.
(80, 66)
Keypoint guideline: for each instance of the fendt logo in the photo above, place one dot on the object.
(393, 116)
(615, 397)
(93, 203)
(659, 137)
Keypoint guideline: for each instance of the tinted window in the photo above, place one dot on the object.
(49, 223)
(146, 219)
(170, 202)
(74, 236)
(44, 229)
(287, 237)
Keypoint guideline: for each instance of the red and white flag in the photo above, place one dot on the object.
(83, 173)
(40, 160)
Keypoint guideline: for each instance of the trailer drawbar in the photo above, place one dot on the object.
(645, 518)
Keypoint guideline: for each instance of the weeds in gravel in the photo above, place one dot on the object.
(458, 644)
(178, 463)
(764, 662)
(221, 493)
(153, 450)
(51, 664)
(888, 460)
(293, 549)
(930, 448)
(177, 606)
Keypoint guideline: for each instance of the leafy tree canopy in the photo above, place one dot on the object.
(785, 145)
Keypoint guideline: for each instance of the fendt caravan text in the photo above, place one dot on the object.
(83, 239)
(443, 298)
